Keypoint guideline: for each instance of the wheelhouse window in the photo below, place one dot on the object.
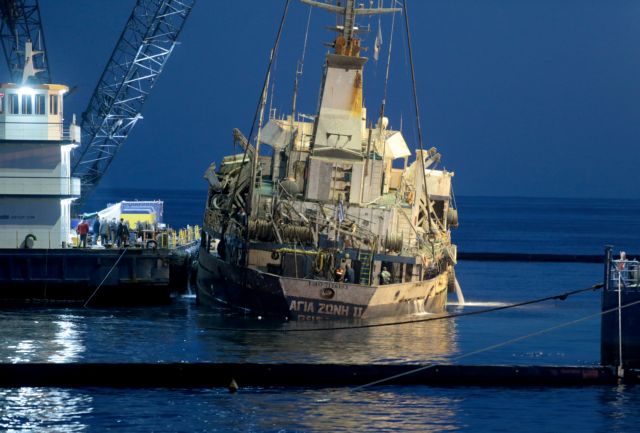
(27, 104)
(41, 104)
(1, 103)
(14, 104)
(53, 104)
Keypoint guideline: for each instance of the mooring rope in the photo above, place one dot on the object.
(105, 278)
(501, 344)
(561, 297)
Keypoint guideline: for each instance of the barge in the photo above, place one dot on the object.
(37, 260)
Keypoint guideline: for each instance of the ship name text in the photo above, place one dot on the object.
(323, 308)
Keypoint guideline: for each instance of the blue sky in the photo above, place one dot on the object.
(523, 98)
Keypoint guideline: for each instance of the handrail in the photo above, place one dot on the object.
(625, 275)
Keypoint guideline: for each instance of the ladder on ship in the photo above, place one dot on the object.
(366, 260)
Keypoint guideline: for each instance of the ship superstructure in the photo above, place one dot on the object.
(40, 260)
(338, 220)
(36, 187)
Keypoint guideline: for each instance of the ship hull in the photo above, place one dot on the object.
(259, 293)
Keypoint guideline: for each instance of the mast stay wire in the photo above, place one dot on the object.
(260, 99)
(296, 88)
(306, 38)
(561, 297)
(417, 111)
(503, 343)
(386, 75)
(386, 85)
(273, 90)
(272, 81)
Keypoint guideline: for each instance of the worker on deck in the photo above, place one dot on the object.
(83, 229)
(113, 231)
(126, 233)
(622, 272)
(385, 276)
(140, 228)
(96, 230)
(350, 275)
(339, 275)
(622, 262)
(104, 232)
(122, 233)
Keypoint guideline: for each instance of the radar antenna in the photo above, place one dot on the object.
(349, 13)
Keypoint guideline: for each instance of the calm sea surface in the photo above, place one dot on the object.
(186, 332)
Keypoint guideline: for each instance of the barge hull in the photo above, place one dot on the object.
(71, 276)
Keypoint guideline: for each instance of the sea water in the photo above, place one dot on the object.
(185, 332)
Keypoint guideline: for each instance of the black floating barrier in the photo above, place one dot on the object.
(205, 375)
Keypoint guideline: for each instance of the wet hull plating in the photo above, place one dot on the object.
(260, 293)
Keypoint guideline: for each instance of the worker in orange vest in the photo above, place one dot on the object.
(83, 229)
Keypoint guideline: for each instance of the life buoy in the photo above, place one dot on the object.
(327, 293)
(275, 255)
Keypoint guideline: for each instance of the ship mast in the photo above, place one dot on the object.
(338, 126)
(349, 13)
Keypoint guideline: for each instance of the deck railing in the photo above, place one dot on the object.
(625, 275)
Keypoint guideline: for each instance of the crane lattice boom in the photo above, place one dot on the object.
(21, 23)
(116, 105)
